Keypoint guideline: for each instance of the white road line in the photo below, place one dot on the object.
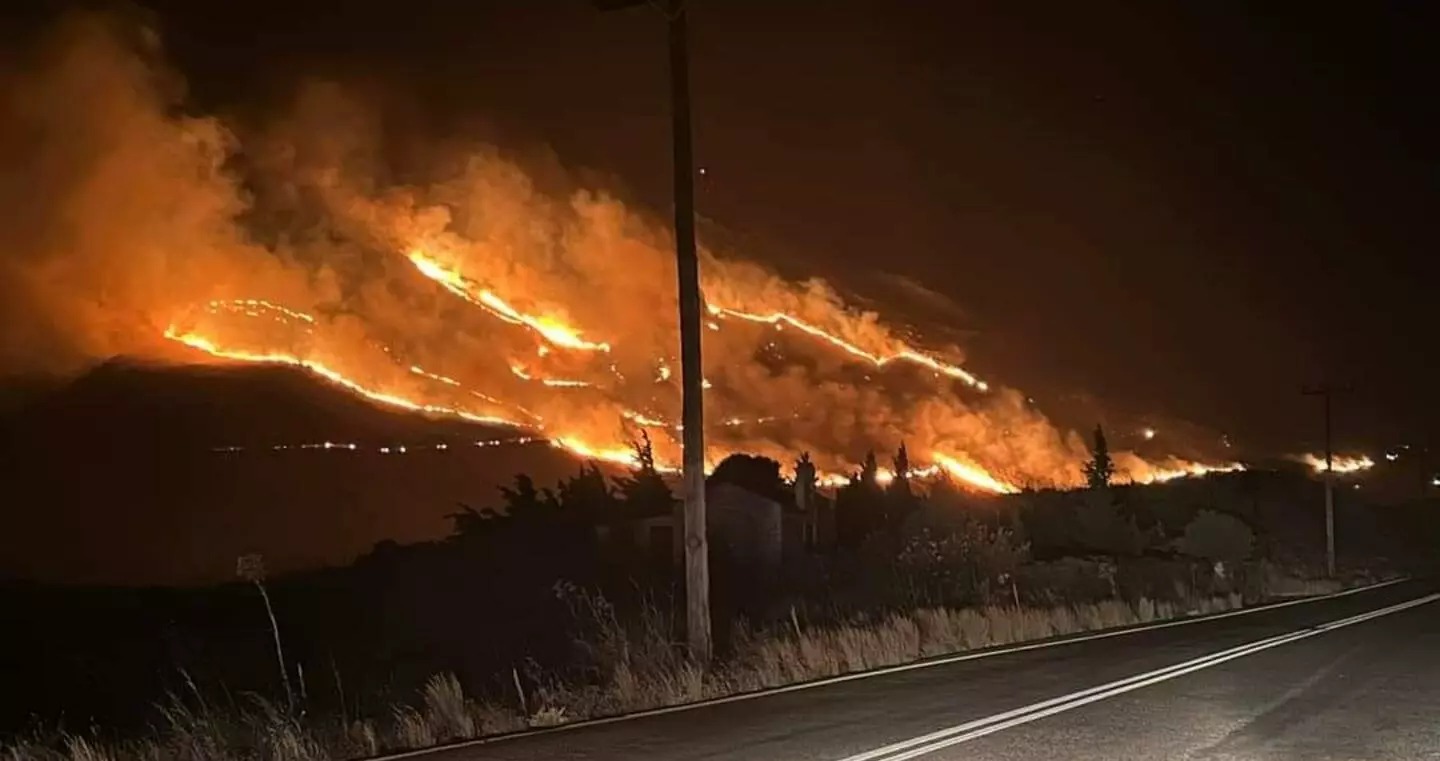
(970, 730)
(923, 664)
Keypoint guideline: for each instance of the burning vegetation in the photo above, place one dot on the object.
(491, 293)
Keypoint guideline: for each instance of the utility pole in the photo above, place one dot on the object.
(692, 415)
(1326, 392)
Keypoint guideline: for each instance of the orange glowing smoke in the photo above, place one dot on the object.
(562, 335)
(958, 467)
(548, 305)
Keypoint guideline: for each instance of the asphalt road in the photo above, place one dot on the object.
(1365, 689)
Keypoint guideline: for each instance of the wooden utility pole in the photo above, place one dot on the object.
(692, 382)
(1326, 392)
(692, 415)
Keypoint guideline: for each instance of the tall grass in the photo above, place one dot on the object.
(626, 667)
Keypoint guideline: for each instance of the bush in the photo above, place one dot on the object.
(1069, 580)
(967, 566)
(1099, 526)
(1217, 536)
(1154, 578)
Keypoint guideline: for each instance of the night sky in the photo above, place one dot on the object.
(1189, 212)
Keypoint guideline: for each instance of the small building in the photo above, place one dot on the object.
(752, 530)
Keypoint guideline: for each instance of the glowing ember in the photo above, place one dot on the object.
(565, 383)
(432, 376)
(259, 308)
(639, 418)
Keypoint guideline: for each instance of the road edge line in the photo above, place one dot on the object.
(916, 747)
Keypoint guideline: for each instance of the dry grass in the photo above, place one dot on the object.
(629, 668)
(447, 711)
(1280, 584)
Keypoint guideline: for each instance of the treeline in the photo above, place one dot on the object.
(495, 602)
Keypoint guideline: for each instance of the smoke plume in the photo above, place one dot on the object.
(484, 291)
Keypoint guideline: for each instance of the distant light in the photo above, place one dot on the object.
(1392, 456)
(1148, 433)
(702, 171)
(1435, 481)
(1357, 486)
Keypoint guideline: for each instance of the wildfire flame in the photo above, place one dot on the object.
(195, 341)
(973, 474)
(905, 355)
(957, 467)
(148, 225)
(965, 472)
(553, 330)
(1187, 470)
(1339, 463)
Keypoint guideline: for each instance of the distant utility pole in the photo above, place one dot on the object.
(697, 558)
(1326, 392)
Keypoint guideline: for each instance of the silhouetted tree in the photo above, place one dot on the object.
(859, 505)
(900, 496)
(644, 492)
(806, 494)
(757, 475)
(467, 522)
(805, 472)
(1100, 526)
(869, 471)
(526, 504)
(1100, 469)
(587, 496)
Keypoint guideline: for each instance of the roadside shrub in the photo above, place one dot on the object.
(1153, 578)
(1217, 536)
(1065, 581)
(972, 564)
(1100, 527)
